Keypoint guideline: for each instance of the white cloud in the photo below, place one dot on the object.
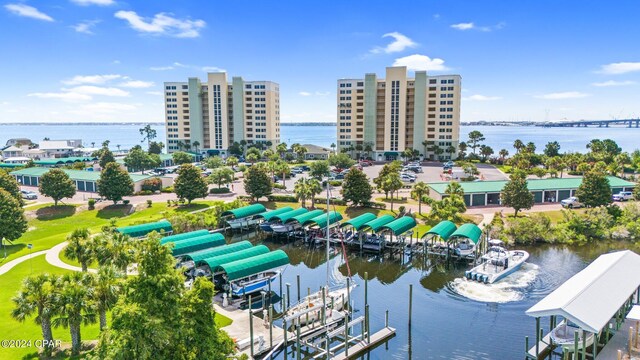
(563, 95)
(138, 84)
(156, 93)
(473, 26)
(161, 68)
(85, 26)
(419, 62)
(479, 97)
(97, 90)
(27, 11)
(613, 83)
(162, 24)
(620, 68)
(91, 79)
(463, 26)
(64, 96)
(212, 69)
(94, 2)
(304, 93)
(400, 43)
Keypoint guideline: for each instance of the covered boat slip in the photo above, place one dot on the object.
(268, 215)
(244, 217)
(252, 274)
(447, 240)
(321, 221)
(596, 300)
(215, 261)
(142, 230)
(197, 243)
(284, 217)
(217, 251)
(183, 236)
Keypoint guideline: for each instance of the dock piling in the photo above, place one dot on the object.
(537, 336)
(288, 295)
(284, 345)
(298, 283)
(410, 302)
(298, 348)
(386, 318)
(270, 326)
(367, 321)
(575, 345)
(251, 325)
(280, 276)
(366, 288)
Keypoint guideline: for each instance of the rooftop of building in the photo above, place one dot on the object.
(533, 184)
(81, 175)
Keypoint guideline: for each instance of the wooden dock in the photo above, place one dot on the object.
(363, 345)
(544, 348)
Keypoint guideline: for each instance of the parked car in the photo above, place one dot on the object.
(571, 203)
(623, 196)
(365, 163)
(408, 174)
(339, 176)
(448, 164)
(29, 195)
(414, 169)
(296, 170)
(304, 167)
(406, 178)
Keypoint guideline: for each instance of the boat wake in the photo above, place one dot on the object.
(509, 289)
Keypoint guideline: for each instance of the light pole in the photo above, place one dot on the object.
(30, 246)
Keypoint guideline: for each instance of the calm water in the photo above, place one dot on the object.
(452, 318)
(498, 137)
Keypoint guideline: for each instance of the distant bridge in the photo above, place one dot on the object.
(599, 123)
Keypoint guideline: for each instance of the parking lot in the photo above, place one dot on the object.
(433, 173)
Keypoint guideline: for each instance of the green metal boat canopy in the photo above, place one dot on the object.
(216, 261)
(400, 226)
(304, 217)
(444, 229)
(221, 250)
(469, 231)
(284, 217)
(183, 236)
(359, 221)
(242, 268)
(197, 243)
(270, 214)
(321, 220)
(144, 229)
(245, 211)
(376, 224)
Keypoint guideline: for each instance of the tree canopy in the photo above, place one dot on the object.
(594, 189)
(114, 183)
(9, 184)
(190, 184)
(341, 161)
(516, 194)
(257, 182)
(181, 157)
(57, 185)
(13, 223)
(221, 176)
(356, 187)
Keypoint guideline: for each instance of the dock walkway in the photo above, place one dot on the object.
(363, 345)
(619, 341)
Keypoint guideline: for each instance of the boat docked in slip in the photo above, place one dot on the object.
(497, 263)
(564, 335)
(308, 310)
(253, 284)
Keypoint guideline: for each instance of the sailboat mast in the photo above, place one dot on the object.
(328, 233)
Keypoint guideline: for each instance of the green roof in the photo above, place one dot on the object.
(321, 220)
(144, 229)
(401, 225)
(11, 166)
(216, 261)
(469, 231)
(245, 211)
(444, 229)
(242, 268)
(220, 250)
(197, 243)
(377, 223)
(306, 216)
(357, 222)
(290, 214)
(77, 175)
(183, 236)
(67, 160)
(269, 214)
(533, 184)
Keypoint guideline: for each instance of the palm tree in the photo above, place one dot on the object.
(79, 248)
(463, 149)
(315, 188)
(281, 149)
(118, 146)
(75, 306)
(420, 190)
(301, 190)
(503, 154)
(454, 188)
(105, 290)
(518, 145)
(196, 144)
(426, 144)
(368, 148)
(187, 146)
(451, 150)
(180, 144)
(93, 144)
(38, 295)
(269, 143)
(300, 151)
(333, 147)
(114, 249)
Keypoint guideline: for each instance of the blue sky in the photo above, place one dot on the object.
(106, 60)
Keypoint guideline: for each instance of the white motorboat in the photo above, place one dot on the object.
(253, 283)
(564, 335)
(465, 248)
(497, 263)
(333, 300)
(243, 222)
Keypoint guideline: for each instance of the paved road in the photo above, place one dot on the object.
(53, 258)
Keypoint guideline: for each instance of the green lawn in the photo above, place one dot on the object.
(50, 226)
(12, 329)
(222, 321)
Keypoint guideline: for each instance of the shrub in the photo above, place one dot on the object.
(222, 190)
(168, 189)
(375, 205)
(335, 182)
(331, 201)
(282, 198)
(92, 204)
(152, 184)
(168, 202)
(144, 192)
(279, 186)
(149, 203)
(126, 202)
(527, 230)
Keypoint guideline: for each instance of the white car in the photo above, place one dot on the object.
(571, 203)
(406, 178)
(623, 196)
(29, 195)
